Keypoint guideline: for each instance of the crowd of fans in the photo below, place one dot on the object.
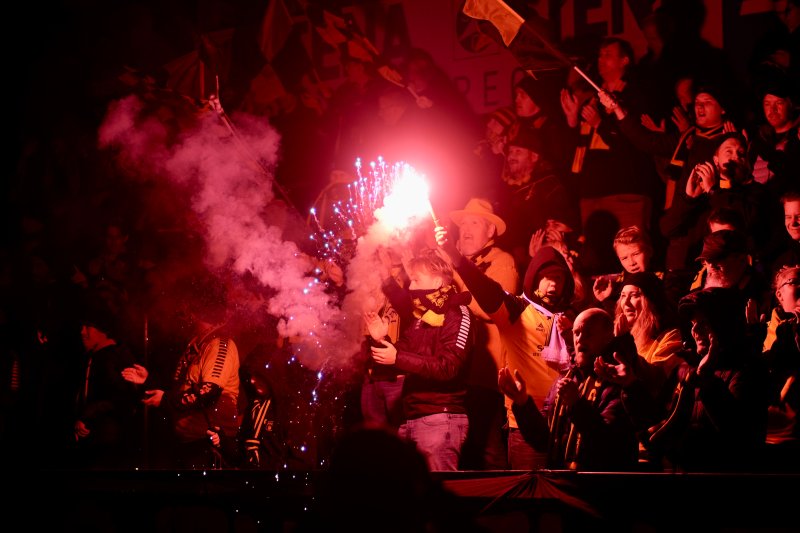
(616, 285)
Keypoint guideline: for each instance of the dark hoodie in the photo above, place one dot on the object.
(434, 356)
(546, 258)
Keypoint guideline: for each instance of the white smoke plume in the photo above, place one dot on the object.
(228, 174)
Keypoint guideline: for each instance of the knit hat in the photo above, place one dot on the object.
(482, 208)
(550, 270)
(724, 308)
(525, 137)
(653, 289)
(731, 135)
(716, 92)
(503, 116)
(721, 244)
(94, 312)
(777, 86)
(650, 285)
(529, 87)
(542, 263)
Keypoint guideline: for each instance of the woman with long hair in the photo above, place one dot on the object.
(644, 313)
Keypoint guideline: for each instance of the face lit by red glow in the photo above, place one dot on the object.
(630, 302)
(422, 280)
(473, 233)
(776, 109)
(590, 336)
(701, 331)
(791, 218)
(91, 337)
(632, 257)
(495, 136)
(707, 111)
(611, 63)
(524, 105)
(520, 161)
(788, 289)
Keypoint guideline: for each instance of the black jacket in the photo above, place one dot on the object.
(434, 358)
(605, 437)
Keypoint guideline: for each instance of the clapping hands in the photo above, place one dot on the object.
(701, 180)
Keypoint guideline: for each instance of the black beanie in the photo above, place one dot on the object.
(528, 86)
(717, 93)
(650, 285)
(95, 313)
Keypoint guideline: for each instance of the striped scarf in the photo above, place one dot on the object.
(429, 305)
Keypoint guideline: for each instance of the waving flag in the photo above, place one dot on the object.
(527, 39)
(505, 19)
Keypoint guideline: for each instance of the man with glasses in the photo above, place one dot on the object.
(782, 355)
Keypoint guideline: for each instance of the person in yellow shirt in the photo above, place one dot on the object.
(530, 326)
(478, 226)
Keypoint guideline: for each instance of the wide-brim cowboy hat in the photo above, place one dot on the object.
(482, 208)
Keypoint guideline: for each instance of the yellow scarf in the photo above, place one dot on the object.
(429, 305)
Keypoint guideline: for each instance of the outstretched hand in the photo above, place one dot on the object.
(512, 386)
(650, 124)
(153, 398)
(680, 119)
(621, 373)
(136, 374)
(602, 288)
(537, 241)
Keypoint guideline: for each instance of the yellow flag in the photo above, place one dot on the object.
(505, 19)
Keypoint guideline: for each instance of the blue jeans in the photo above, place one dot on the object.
(381, 403)
(439, 437)
(521, 455)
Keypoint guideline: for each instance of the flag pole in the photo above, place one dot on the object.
(550, 47)
(587, 78)
(216, 105)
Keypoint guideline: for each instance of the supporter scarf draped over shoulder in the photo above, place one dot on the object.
(429, 306)
(480, 256)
